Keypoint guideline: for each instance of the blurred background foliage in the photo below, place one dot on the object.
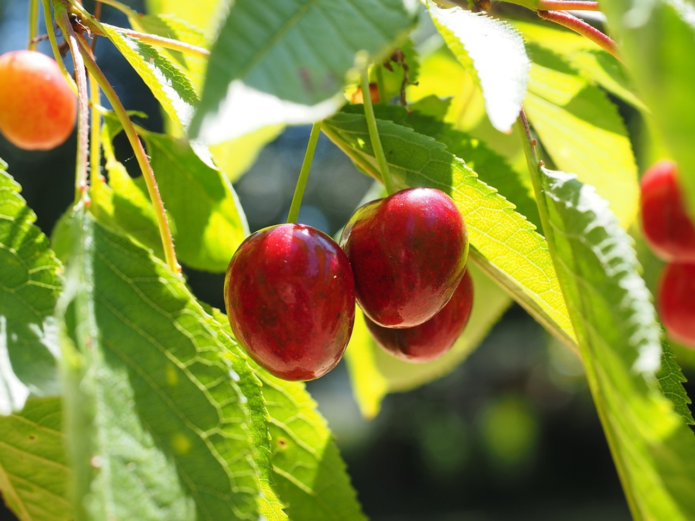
(511, 433)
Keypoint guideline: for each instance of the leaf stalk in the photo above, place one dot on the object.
(581, 27)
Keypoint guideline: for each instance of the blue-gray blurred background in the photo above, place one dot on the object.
(510, 434)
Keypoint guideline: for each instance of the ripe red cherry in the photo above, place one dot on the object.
(290, 300)
(665, 220)
(435, 337)
(408, 253)
(37, 107)
(676, 302)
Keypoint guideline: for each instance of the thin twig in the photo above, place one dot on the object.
(583, 28)
(141, 156)
(83, 107)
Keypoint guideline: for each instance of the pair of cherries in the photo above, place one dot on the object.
(290, 290)
(671, 235)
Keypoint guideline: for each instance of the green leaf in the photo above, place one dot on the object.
(594, 64)
(201, 204)
(657, 42)
(201, 14)
(582, 131)
(393, 79)
(29, 288)
(374, 373)
(503, 242)
(309, 474)
(495, 51)
(168, 83)
(203, 210)
(619, 340)
(286, 63)
(492, 168)
(34, 475)
(236, 156)
(157, 424)
(169, 26)
(671, 380)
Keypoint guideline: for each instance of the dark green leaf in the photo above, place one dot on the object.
(671, 380)
(286, 62)
(29, 287)
(34, 475)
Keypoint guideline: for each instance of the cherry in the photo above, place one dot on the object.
(665, 221)
(676, 303)
(290, 300)
(408, 253)
(37, 107)
(433, 338)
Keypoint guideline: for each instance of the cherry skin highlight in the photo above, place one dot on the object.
(665, 221)
(37, 107)
(408, 253)
(433, 338)
(290, 300)
(676, 302)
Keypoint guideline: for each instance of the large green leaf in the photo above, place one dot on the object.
(494, 51)
(286, 62)
(201, 203)
(657, 42)
(29, 287)
(582, 131)
(168, 83)
(204, 212)
(34, 475)
(503, 242)
(619, 340)
(374, 373)
(596, 65)
(309, 474)
(157, 424)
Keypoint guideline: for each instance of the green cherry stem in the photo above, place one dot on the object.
(374, 134)
(83, 105)
(304, 173)
(380, 83)
(140, 155)
(34, 24)
(54, 44)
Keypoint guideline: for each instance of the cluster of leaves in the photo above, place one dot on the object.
(115, 379)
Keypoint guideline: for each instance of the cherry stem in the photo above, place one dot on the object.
(54, 44)
(167, 43)
(374, 134)
(141, 157)
(583, 28)
(97, 15)
(34, 24)
(83, 105)
(304, 173)
(567, 5)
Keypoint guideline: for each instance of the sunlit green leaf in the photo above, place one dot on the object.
(309, 474)
(33, 472)
(29, 287)
(657, 42)
(582, 131)
(201, 14)
(495, 51)
(503, 242)
(157, 424)
(587, 58)
(236, 156)
(286, 62)
(671, 380)
(619, 340)
(170, 86)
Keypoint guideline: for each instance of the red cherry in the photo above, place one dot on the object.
(37, 107)
(435, 337)
(290, 300)
(408, 253)
(665, 221)
(676, 302)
